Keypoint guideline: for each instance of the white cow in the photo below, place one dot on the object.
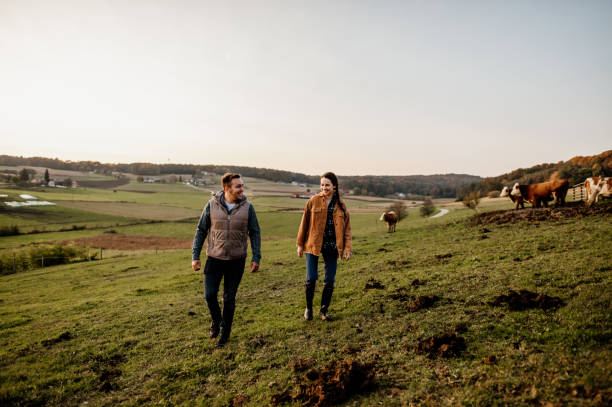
(596, 187)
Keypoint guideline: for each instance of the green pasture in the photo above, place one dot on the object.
(186, 198)
(147, 188)
(55, 218)
(133, 330)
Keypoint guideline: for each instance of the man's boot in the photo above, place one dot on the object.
(310, 290)
(328, 289)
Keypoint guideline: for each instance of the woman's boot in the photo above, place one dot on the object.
(328, 289)
(310, 290)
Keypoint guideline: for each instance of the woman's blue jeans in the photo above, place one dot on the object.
(312, 265)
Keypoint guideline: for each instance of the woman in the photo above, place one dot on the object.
(325, 230)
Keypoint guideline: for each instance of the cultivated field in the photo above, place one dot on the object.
(131, 329)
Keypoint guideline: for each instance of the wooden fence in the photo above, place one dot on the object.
(578, 192)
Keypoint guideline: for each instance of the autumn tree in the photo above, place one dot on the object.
(471, 199)
(400, 209)
(428, 207)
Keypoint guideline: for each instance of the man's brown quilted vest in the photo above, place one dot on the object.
(228, 235)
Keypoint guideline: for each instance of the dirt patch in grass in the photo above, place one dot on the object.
(66, 336)
(351, 350)
(257, 341)
(373, 284)
(525, 299)
(240, 400)
(401, 294)
(572, 210)
(444, 256)
(107, 372)
(445, 345)
(119, 241)
(415, 302)
(422, 301)
(332, 385)
(416, 282)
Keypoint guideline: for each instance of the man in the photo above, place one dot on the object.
(227, 218)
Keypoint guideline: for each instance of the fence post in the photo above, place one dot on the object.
(14, 263)
(100, 253)
(42, 262)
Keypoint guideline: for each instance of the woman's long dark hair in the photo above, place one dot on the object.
(336, 197)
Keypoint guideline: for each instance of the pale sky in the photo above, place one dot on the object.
(355, 87)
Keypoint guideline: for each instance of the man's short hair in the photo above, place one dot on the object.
(228, 177)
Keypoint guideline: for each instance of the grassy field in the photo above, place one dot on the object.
(132, 330)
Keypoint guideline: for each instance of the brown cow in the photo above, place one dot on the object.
(391, 218)
(517, 200)
(540, 194)
(596, 187)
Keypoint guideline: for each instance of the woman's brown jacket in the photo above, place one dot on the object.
(310, 235)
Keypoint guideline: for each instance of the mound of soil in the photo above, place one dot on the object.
(416, 303)
(300, 365)
(131, 242)
(332, 385)
(422, 301)
(281, 398)
(572, 210)
(445, 345)
(372, 284)
(525, 299)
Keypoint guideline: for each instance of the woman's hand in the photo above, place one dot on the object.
(347, 255)
(300, 251)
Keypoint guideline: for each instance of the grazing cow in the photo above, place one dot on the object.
(539, 194)
(596, 187)
(517, 200)
(391, 218)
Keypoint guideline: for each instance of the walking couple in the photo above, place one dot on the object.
(229, 219)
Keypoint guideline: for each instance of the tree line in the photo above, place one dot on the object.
(440, 186)
(412, 186)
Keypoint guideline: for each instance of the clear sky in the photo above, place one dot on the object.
(356, 87)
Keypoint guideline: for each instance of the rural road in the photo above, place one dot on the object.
(441, 213)
(202, 189)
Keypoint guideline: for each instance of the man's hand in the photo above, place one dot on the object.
(196, 265)
(347, 255)
(254, 267)
(300, 251)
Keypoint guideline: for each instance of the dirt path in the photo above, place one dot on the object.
(441, 213)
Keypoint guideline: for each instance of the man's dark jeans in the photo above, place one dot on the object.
(231, 272)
